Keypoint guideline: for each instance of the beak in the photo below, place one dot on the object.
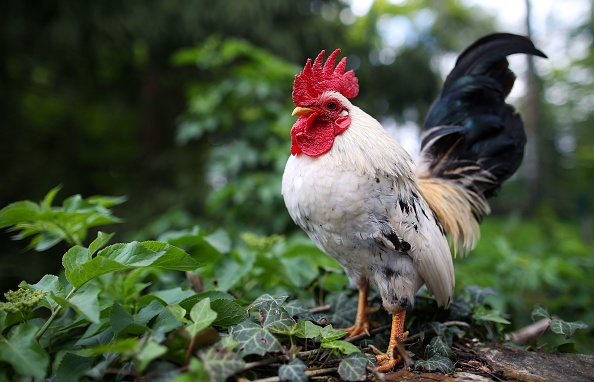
(302, 111)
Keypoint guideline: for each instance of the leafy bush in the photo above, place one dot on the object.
(118, 312)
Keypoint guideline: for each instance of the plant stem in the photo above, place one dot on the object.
(53, 316)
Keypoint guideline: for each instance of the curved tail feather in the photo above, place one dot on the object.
(472, 139)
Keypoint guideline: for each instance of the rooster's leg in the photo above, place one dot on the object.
(362, 321)
(386, 361)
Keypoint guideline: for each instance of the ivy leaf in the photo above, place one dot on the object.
(566, 328)
(202, 316)
(328, 333)
(352, 368)
(436, 362)
(294, 371)
(253, 339)
(342, 346)
(297, 308)
(268, 298)
(539, 311)
(437, 346)
(221, 363)
(483, 314)
(477, 295)
(459, 308)
(273, 316)
(344, 309)
(307, 329)
(22, 351)
(229, 313)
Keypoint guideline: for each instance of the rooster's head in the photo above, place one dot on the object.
(320, 93)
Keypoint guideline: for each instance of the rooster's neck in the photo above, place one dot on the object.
(367, 148)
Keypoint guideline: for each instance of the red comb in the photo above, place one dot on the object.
(315, 79)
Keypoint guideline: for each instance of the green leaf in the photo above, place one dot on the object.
(221, 363)
(483, 314)
(165, 322)
(294, 371)
(52, 286)
(342, 346)
(73, 366)
(75, 257)
(22, 351)
(117, 257)
(437, 346)
(46, 203)
(353, 367)
(253, 339)
(124, 346)
(566, 328)
(149, 352)
(202, 316)
(539, 311)
(219, 240)
(175, 259)
(100, 242)
(307, 329)
(229, 313)
(436, 362)
(328, 333)
(229, 271)
(148, 312)
(19, 212)
(123, 322)
(174, 296)
(178, 312)
(85, 302)
(266, 298)
(196, 372)
(272, 315)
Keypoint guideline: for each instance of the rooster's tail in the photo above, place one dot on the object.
(472, 140)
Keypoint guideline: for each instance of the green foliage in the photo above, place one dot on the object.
(50, 225)
(119, 310)
(243, 106)
(533, 262)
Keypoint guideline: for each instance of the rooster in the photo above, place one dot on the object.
(362, 200)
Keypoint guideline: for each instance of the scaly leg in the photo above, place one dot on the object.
(362, 323)
(386, 361)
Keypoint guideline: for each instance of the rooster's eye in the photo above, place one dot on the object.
(331, 105)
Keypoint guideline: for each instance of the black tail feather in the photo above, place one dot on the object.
(471, 136)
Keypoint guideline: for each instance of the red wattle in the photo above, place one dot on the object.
(311, 136)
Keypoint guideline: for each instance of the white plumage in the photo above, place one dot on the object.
(352, 198)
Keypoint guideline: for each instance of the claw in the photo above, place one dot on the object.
(363, 326)
(388, 360)
(362, 323)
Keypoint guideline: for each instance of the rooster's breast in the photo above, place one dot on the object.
(339, 209)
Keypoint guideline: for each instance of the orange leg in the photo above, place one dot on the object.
(362, 322)
(386, 361)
